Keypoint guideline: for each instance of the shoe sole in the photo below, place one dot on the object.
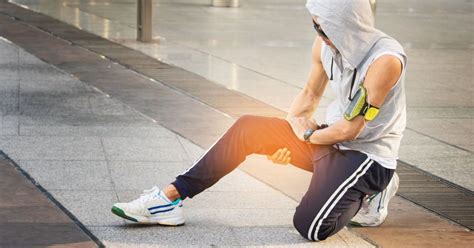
(359, 224)
(121, 213)
(353, 223)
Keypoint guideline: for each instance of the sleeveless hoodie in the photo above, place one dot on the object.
(349, 24)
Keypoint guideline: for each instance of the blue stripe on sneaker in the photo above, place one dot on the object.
(161, 211)
(176, 202)
(161, 206)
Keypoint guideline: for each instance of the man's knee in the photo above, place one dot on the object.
(303, 223)
(245, 120)
(247, 123)
(326, 229)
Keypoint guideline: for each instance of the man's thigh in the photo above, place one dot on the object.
(265, 135)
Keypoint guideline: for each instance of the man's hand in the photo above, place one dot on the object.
(281, 156)
(300, 125)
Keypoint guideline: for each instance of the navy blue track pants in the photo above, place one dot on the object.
(340, 180)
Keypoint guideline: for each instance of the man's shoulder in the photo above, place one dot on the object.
(386, 45)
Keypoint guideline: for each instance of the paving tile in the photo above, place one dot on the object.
(87, 120)
(102, 105)
(9, 124)
(84, 67)
(89, 207)
(193, 151)
(15, 191)
(55, 105)
(159, 236)
(74, 34)
(26, 58)
(237, 112)
(69, 175)
(32, 215)
(143, 149)
(8, 54)
(95, 43)
(233, 101)
(9, 105)
(201, 87)
(241, 200)
(9, 73)
(51, 24)
(410, 151)
(42, 73)
(121, 51)
(239, 217)
(94, 131)
(415, 145)
(143, 62)
(52, 148)
(43, 235)
(92, 125)
(452, 98)
(9, 87)
(457, 131)
(440, 113)
(287, 236)
(456, 163)
(138, 176)
(69, 88)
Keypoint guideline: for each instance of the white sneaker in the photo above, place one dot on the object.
(374, 209)
(152, 207)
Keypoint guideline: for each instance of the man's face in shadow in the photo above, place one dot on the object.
(322, 34)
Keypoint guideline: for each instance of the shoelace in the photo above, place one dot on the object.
(146, 195)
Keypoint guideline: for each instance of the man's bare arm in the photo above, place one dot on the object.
(308, 99)
(381, 77)
(305, 103)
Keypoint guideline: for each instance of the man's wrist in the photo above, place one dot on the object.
(307, 134)
(318, 127)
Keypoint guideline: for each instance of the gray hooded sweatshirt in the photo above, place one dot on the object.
(349, 24)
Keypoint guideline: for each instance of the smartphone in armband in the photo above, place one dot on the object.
(360, 106)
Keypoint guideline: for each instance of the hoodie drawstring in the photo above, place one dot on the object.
(353, 79)
(352, 84)
(332, 63)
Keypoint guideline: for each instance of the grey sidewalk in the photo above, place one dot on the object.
(89, 151)
(66, 125)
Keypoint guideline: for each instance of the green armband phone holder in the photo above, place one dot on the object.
(359, 106)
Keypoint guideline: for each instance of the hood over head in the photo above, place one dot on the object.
(349, 24)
